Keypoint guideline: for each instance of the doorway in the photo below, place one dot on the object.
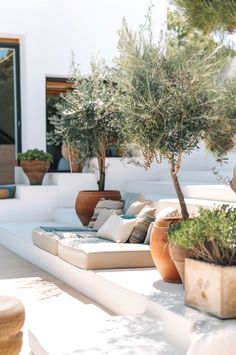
(10, 120)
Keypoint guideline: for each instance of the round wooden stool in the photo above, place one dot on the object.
(12, 317)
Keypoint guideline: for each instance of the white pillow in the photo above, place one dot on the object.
(167, 212)
(117, 229)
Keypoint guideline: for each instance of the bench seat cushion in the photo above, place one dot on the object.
(103, 254)
(47, 238)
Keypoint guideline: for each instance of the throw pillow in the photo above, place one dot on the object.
(7, 191)
(131, 197)
(127, 216)
(144, 218)
(136, 207)
(148, 235)
(116, 229)
(106, 204)
(103, 216)
(167, 212)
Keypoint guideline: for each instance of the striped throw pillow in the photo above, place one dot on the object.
(143, 220)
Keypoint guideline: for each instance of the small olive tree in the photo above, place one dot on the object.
(211, 15)
(89, 117)
(169, 98)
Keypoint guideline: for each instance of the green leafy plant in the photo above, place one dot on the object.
(35, 154)
(89, 117)
(211, 235)
(169, 98)
(209, 15)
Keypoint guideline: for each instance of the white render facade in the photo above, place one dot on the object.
(49, 30)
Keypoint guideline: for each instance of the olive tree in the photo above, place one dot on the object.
(168, 98)
(89, 118)
(211, 15)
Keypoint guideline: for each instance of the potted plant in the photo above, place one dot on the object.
(90, 119)
(210, 275)
(35, 163)
(168, 102)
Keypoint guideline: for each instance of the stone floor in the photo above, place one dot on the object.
(38, 290)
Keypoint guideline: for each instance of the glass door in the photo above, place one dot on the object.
(10, 124)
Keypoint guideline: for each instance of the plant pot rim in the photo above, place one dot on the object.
(34, 160)
(208, 263)
(99, 190)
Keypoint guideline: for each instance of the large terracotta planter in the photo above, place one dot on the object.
(178, 256)
(160, 250)
(86, 202)
(211, 288)
(35, 170)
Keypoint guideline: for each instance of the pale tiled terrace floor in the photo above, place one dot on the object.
(36, 289)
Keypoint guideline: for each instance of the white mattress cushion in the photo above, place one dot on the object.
(97, 253)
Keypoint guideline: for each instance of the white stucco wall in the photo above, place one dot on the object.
(49, 30)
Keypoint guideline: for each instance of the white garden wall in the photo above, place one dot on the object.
(49, 30)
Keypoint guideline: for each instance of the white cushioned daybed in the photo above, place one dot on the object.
(92, 253)
(116, 244)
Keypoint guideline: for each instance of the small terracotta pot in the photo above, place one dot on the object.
(35, 170)
(86, 202)
(160, 250)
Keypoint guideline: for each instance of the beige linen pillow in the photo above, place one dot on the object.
(143, 220)
(116, 229)
(106, 204)
(136, 207)
(167, 212)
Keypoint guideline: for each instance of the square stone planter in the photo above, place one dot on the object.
(211, 288)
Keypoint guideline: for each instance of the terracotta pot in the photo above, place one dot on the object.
(35, 170)
(178, 256)
(160, 250)
(86, 202)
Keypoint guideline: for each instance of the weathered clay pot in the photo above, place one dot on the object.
(160, 250)
(178, 256)
(86, 202)
(210, 288)
(35, 170)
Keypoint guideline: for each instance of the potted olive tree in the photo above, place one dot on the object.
(90, 119)
(168, 98)
(210, 274)
(35, 163)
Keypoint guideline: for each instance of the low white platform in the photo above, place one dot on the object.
(126, 293)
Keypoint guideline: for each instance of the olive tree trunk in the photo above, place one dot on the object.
(101, 157)
(179, 193)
